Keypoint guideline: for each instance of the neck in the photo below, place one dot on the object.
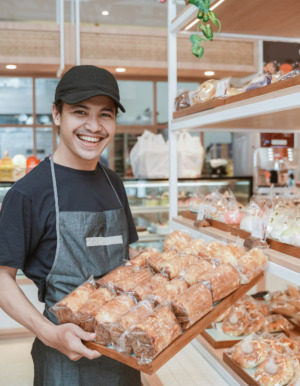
(75, 163)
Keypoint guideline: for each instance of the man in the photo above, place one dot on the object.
(64, 221)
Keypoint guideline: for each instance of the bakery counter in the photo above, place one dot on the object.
(280, 264)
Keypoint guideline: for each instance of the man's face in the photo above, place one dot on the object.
(86, 128)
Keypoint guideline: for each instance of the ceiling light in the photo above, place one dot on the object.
(105, 13)
(216, 5)
(120, 69)
(209, 73)
(10, 66)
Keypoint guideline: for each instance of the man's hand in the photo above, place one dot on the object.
(67, 338)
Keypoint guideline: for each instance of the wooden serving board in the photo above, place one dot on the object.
(245, 375)
(185, 338)
(215, 343)
(239, 97)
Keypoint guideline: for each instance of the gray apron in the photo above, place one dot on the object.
(88, 243)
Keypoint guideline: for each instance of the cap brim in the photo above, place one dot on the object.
(82, 96)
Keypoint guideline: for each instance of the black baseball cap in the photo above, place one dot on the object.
(86, 81)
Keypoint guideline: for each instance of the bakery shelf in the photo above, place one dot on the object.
(154, 209)
(186, 337)
(280, 264)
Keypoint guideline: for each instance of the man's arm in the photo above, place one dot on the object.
(65, 338)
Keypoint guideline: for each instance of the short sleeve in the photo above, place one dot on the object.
(15, 226)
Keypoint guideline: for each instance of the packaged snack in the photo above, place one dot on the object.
(251, 264)
(129, 283)
(236, 322)
(110, 312)
(115, 275)
(141, 259)
(182, 100)
(66, 309)
(249, 353)
(192, 273)
(275, 370)
(192, 305)
(147, 287)
(154, 333)
(205, 92)
(177, 240)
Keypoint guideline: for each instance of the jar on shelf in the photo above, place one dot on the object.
(31, 162)
(6, 168)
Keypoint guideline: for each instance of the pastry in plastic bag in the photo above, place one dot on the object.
(192, 305)
(85, 316)
(251, 264)
(154, 262)
(192, 273)
(275, 370)
(141, 259)
(282, 307)
(66, 309)
(119, 337)
(177, 240)
(110, 312)
(114, 276)
(236, 322)
(276, 323)
(205, 92)
(154, 333)
(249, 353)
(129, 283)
(256, 322)
(222, 281)
(197, 245)
(148, 287)
(172, 268)
(182, 100)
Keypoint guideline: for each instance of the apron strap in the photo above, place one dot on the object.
(111, 184)
(55, 197)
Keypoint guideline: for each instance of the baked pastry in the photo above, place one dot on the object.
(295, 302)
(141, 259)
(154, 333)
(295, 381)
(197, 245)
(282, 307)
(256, 322)
(293, 291)
(251, 264)
(214, 248)
(192, 305)
(174, 287)
(66, 309)
(177, 240)
(129, 283)
(149, 286)
(85, 316)
(192, 273)
(276, 323)
(276, 370)
(172, 268)
(222, 281)
(110, 312)
(231, 253)
(236, 322)
(115, 275)
(289, 343)
(155, 261)
(249, 353)
(119, 337)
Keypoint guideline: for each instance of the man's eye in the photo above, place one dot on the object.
(106, 115)
(80, 112)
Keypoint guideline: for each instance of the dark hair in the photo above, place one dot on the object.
(60, 104)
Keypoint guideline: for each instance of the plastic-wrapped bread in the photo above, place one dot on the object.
(275, 370)
(177, 240)
(231, 253)
(154, 333)
(155, 261)
(282, 307)
(276, 323)
(249, 353)
(222, 281)
(172, 268)
(119, 337)
(236, 322)
(197, 245)
(141, 259)
(192, 305)
(148, 287)
(169, 291)
(214, 248)
(192, 273)
(129, 283)
(116, 275)
(251, 264)
(66, 309)
(85, 317)
(110, 312)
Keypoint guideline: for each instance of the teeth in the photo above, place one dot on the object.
(89, 139)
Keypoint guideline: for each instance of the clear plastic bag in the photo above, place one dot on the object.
(251, 264)
(66, 309)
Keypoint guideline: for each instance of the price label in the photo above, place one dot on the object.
(201, 213)
(258, 228)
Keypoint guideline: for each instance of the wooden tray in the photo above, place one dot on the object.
(242, 373)
(237, 98)
(213, 223)
(185, 338)
(219, 343)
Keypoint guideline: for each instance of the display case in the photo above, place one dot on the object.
(149, 201)
(4, 188)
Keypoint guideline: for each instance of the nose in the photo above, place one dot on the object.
(93, 124)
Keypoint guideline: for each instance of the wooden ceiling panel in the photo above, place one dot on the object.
(257, 17)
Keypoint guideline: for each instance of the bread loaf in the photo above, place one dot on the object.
(192, 305)
(149, 286)
(177, 240)
(154, 333)
(109, 313)
(129, 283)
(116, 275)
(251, 264)
(192, 273)
(222, 281)
(85, 317)
(66, 309)
(141, 259)
(155, 262)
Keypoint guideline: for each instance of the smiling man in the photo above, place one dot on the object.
(47, 220)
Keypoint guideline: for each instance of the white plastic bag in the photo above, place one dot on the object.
(190, 155)
(149, 157)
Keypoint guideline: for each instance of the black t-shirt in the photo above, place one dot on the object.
(27, 217)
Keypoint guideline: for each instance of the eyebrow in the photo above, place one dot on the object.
(87, 108)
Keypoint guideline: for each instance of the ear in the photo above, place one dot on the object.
(55, 115)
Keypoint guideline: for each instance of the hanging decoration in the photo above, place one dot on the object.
(205, 16)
